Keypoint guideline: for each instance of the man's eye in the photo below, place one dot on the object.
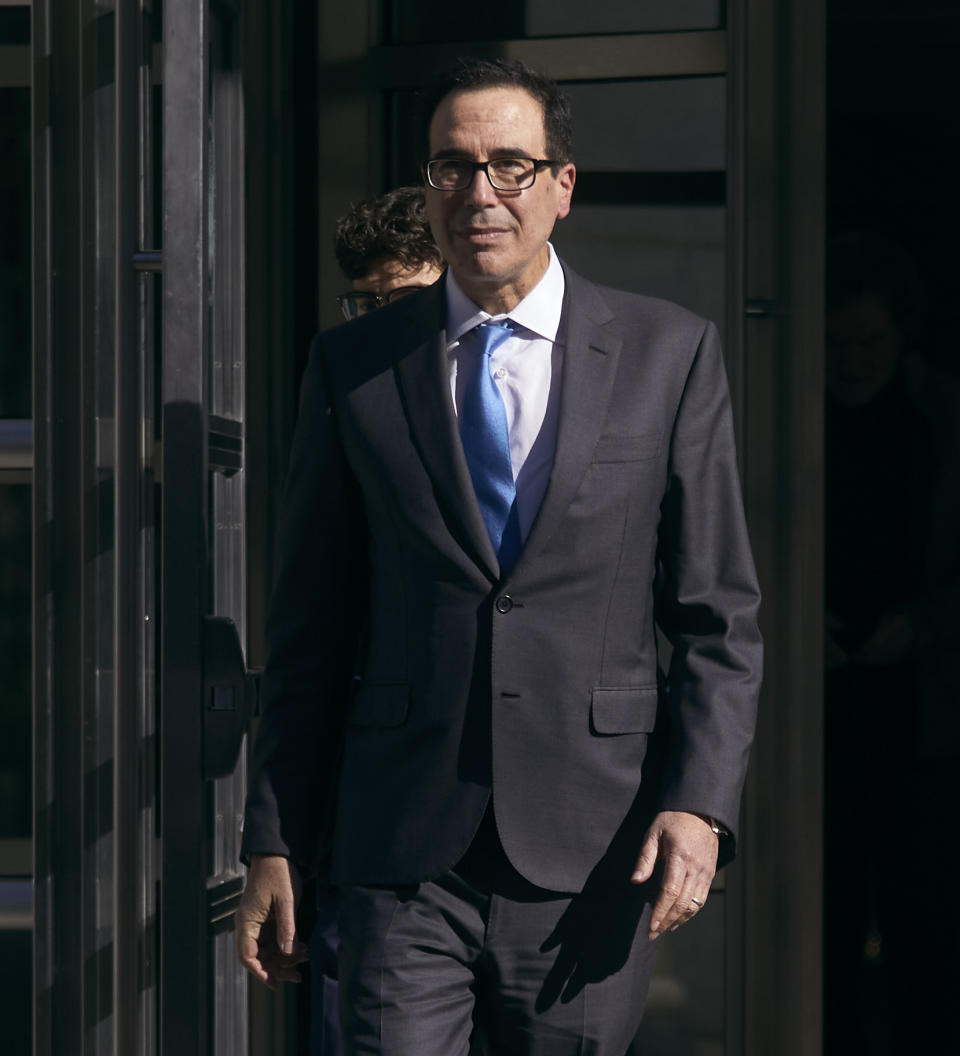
(512, 168)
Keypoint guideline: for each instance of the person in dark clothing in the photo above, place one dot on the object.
(892, 584)
(385, 248)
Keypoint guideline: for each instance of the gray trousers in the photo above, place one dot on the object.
(481, 953)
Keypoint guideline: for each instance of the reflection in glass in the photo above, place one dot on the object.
(891, 653)
(15, 561)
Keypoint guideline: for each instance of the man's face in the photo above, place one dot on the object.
(386, 281)
(863, 350)
(495, 241)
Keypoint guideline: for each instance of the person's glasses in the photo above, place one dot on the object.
(360, 302)
(504, 174)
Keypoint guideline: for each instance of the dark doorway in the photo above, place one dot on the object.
(892, 740)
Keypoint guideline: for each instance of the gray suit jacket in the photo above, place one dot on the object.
(405, 680)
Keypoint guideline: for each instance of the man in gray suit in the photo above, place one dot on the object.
(498, 488)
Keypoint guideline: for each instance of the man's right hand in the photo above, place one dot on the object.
(266, 930)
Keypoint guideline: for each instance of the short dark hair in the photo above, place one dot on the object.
(471, 75)
(391, 227)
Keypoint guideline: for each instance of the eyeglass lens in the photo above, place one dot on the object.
(361, 302)
(505, 174)
(401, 291)
(358, 303)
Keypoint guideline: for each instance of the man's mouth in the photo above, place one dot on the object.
(481, 234)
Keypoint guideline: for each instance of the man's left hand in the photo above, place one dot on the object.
(687, 847)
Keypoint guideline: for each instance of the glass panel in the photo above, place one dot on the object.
(226, 243)
(16, 985)
(228, 990)
(677, 252)
(650, 126)
(422, 21)
(15, 212)
(405, 148)
(684, 1011)
(229, 561)
(15, 619)
(566, 17)
(14, 25)
(150, 302)
(229, 1007)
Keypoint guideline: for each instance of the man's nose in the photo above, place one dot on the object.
(480, 192)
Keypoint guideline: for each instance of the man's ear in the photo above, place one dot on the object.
(566, 178)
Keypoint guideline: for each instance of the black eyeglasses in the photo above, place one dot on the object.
(504, 174)
(360, 302)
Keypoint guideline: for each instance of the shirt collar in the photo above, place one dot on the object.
(538, 312)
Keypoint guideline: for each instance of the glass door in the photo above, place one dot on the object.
(140, 693)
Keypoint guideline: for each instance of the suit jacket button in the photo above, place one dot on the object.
(504, 603)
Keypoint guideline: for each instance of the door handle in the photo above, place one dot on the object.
(230, 694)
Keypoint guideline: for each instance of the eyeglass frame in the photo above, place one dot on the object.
(396, 294)
(538, 163)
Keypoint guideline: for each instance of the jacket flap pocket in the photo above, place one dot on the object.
(383, 704)
(627, 448)
(624, 710)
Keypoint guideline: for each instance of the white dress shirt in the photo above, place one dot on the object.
(524, 367)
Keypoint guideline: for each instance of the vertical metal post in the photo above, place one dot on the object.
(126, 482)
(60, 290)
(183, 939)
(782, 123)
(735, 356)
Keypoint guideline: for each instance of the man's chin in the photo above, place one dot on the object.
(481, 264)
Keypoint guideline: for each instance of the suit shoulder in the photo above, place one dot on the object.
(636, 309)
(362, 348)
(627, 307)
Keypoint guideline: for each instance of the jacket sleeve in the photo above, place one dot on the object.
(312, 633)
(707, 603)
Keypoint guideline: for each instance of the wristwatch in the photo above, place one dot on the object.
(715, 827)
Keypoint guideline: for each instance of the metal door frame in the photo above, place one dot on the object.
(203, 990)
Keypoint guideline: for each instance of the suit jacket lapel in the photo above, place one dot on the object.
(590, 355)
(425, 385)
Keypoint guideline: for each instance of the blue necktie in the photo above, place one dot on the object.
(486, 442)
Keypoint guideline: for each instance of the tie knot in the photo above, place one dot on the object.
(491, 335)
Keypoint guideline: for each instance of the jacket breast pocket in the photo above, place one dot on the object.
(632, 710)
(639, 448)
(379, 704)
